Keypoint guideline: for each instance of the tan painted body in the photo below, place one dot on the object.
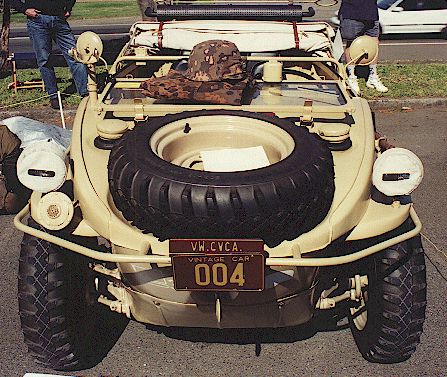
(290, 294)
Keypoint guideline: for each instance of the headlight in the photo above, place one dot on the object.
(397, 171)
(55, 210)
(41, 166)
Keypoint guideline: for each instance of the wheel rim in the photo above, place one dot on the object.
(181, 142)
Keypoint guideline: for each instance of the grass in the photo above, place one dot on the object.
(91, 9)
(403, 80)
(7, 96)
(65, 85)
(411, 81)
(97, 9)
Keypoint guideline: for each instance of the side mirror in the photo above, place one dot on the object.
(88, 49)
(397, 9)
(363, 50)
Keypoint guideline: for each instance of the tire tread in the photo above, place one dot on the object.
(291, 204)
(393, 332)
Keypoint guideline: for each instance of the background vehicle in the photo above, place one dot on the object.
(322, 218)
(411, 16)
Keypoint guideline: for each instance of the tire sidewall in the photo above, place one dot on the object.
(396, 303)
(62, 328)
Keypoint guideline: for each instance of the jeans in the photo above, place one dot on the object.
(43, 30)
(351, 29)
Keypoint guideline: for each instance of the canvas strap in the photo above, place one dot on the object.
(296, 35)
(160, 35)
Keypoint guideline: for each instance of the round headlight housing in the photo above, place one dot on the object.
(42, 166)
(55, 210)
(397, 171)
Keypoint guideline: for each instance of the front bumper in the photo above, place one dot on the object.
(288, 299)
(166, 260)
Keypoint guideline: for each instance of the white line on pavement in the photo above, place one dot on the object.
(382, 43)
(102, 35)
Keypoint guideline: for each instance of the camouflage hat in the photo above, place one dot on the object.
(176, 87)
(215, 60)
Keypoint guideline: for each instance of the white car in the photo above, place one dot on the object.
(411, 16)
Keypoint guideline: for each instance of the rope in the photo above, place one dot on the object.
(434, 246)
(24, 102)
(35, 100)
(439, 251)
(59, 97)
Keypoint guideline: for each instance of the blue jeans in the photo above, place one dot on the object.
(43, 30)
(351, 29)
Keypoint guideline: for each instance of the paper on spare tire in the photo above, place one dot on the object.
(234, 159)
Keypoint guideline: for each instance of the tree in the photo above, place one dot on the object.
(5, 8)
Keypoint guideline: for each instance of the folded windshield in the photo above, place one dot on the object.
(285, 93)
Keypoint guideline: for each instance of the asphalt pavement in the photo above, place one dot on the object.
(331, 351)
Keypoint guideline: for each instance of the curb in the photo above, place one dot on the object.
(405, 103)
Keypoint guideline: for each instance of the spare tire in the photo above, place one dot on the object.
(157, 180)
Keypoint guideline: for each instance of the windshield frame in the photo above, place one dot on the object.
(104, 101)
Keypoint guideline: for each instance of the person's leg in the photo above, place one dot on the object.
(65, 40)
(40, 35)
(350, 29)
(374, 81)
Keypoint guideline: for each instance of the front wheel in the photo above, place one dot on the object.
(444, 33)
(387, 324)
(63, 327)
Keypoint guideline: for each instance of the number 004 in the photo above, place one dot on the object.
(218, 274)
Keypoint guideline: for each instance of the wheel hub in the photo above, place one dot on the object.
(182, 142)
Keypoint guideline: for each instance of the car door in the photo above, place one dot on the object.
(436, 15)
(417, 16)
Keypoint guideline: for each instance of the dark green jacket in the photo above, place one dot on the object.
(49, 7)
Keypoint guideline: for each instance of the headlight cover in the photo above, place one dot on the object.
(42, 166)
(397, 171)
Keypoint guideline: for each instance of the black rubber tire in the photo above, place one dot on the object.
(396, 304)
(275, 203)
(62, 328)
(444, 33)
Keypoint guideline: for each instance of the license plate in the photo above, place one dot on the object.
(218, 265)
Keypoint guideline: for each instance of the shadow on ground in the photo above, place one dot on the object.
(323, 322)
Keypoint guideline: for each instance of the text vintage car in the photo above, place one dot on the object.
(224, 177)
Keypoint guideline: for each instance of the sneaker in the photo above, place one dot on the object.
(54, 103)
(353, 84)
(375, 83)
